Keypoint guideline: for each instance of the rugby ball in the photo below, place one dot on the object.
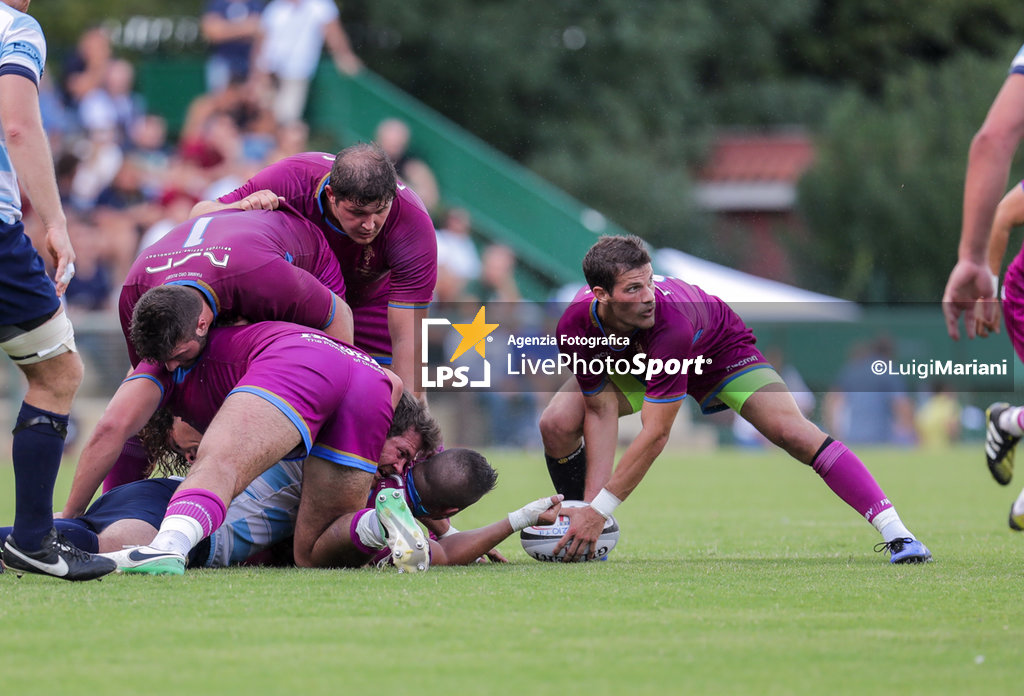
(539, 541)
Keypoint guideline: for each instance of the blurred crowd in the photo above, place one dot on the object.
(125, 181)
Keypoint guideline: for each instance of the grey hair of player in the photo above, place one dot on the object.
(164, 317)
(363, 174)
(611, 256)
(454, 478)
(413, 413)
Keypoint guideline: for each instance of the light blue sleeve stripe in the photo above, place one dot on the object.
(151, 378)
(343, 459)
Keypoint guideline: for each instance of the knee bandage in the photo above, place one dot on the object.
(46, 341)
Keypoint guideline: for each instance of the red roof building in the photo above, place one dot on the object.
(749, 182)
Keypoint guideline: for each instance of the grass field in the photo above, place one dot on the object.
(737, 573)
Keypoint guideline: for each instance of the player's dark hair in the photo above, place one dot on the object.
(413, 413)
(155, 437)
(164, 317)
(455, 478)
(611, 256)
(363, 174)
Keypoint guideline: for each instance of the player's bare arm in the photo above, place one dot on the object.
(463, 548)
(1009, 214)
(402, 323)
(601, 433)
(343, 326)
(263, 199)
(132, 405)
(587, 523)
(988, 166)
(30, 154)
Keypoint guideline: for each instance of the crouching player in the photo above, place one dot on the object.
(632, 315)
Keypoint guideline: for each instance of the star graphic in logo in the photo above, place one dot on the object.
(473, 335)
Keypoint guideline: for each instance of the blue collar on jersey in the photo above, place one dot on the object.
(414, 497)
(320, 197)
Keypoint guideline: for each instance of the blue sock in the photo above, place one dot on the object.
(37, 450)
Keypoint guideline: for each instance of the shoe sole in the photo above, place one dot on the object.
(160, 566)
(1001, 470)
(913, 559)
(409, 549)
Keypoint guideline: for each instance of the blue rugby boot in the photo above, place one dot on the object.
(905, 550)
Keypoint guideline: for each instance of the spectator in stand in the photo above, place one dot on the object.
(938, 419)
(122, 211)
(393, 136)
(85, 69)
(869, 408)
(230, 27)
(91, 290)
(113, 105)
(148, 143)
(174, 206)
(100, 158)
(458, 261)
(291, 139)
(497, 281)
(288, 52)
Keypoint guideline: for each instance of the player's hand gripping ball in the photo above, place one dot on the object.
(540, 541)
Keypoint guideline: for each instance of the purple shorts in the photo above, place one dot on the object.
(337, 398)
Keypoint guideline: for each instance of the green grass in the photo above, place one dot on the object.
(737, 573)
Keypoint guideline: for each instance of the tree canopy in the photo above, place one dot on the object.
(617, 101)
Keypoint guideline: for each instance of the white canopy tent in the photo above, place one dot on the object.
(754, 298)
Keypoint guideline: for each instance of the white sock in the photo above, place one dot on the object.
(1018, 505)
(178, 533)
(890, 526)
(1009, 420)
(369, 531)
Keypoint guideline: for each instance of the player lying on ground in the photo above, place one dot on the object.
(667, 320)
(260, 522)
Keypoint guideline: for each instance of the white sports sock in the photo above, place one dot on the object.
(1009, 420)
(369, 531)
(178, 533)
(890, 526)
(1018, 505)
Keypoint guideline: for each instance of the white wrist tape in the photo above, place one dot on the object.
(995, 284)
(451, 530)
(527, 515)
(605, 503)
